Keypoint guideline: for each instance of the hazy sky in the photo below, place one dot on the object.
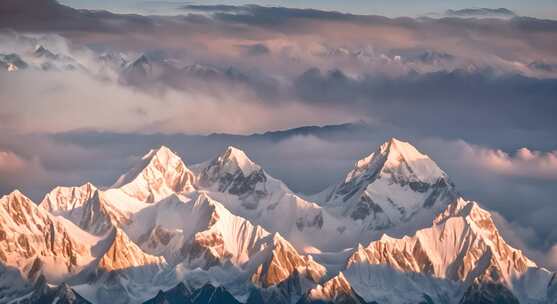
(391, 8)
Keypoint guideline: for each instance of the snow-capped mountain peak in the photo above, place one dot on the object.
(281, 261)
(142, 63)
(393, 187)
(462, 250)
(399, 159)
(234, 158)
(36, 242)
(227, 221)
(62, 200)
(123, 254)
(336, 290)
(157, 175)
(41, 51)
(462, 245)
(232, 171)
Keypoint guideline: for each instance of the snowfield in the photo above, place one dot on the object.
(394, 230)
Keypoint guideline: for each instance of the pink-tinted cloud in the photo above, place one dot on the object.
(522, 163)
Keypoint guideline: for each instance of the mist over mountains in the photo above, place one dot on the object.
(224, 118)
(225, 231)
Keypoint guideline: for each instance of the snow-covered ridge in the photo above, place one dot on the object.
(279, 260)
(159, 174)
(400, 159)
(244, 188)
(452, 248)
(229, 223)
(39, 243)
(67, 201)
(87, 207)
(462, 249)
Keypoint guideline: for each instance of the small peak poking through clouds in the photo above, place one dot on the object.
(481, 12)
(238, 158)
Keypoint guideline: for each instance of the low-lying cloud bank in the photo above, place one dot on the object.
(522, 163)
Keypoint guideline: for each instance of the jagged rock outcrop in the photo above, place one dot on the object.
(288, 291)
(233, 172)
(207, 294)
(335, 290)
(43, 294)
(179, 294)
(68, 201)
(462, 244)
(123, 254)
(488, 293)
(222, 223)
(12, 284)
(87, 207)
(99, 216)
(38, 243)
(280, 261)
(197, 231)
(244, 188)
(462, 250)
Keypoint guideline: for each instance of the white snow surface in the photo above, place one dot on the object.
(221, 220)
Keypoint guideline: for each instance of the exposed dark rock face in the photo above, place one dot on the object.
(441, 189)
(552, 289)
(208, 294)
(177, 295)
(286, 292)
(317, 222)
(226, 174)
(62, 294)
(488, 293)
(350, 298)
(365, 207)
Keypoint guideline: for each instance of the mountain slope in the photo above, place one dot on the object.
(207, 294)
(244, 188)
(121, 273)
(67, 201)
(85, 206)
(336, 290)
(279, 260)
(159, 174)
(462, 246)
(230, 233)
(197, 230)
(42, 293)
(38, 243)
(123, 254)
(202, 233)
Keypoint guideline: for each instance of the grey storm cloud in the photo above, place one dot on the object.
(255, 14)
(454, 102)
(49, 15)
